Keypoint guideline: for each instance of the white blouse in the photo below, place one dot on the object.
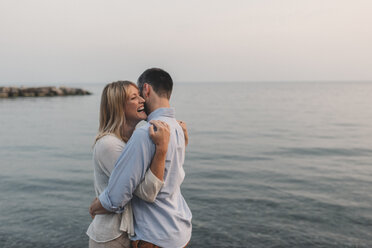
(108, 227)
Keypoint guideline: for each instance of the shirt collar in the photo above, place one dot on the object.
(167, 112)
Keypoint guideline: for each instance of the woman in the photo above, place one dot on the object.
(121, 109)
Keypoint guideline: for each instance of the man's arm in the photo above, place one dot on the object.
(149, 188)
(128, 173)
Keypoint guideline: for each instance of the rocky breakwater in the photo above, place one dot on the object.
(6, 92)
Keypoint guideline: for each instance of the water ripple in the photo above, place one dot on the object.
(320, 151)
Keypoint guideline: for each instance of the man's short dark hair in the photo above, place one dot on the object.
(159, 79)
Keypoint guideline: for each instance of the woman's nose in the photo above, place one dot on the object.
(141, 100)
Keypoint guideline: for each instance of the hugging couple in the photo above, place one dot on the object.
(138, 172)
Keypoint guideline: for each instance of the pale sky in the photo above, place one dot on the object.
(204, 40)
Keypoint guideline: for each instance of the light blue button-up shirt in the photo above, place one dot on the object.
(167, 221)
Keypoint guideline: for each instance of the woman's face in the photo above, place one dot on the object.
(134, 106)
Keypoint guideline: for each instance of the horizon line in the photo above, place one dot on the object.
(204, 81)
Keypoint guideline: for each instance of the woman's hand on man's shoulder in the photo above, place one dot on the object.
(159, 133)
(184, 129)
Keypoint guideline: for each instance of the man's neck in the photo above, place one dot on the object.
(160, 103)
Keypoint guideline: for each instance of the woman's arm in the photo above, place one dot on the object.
(149, 188)
(184, 129)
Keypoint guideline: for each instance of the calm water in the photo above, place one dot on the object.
(268, 165)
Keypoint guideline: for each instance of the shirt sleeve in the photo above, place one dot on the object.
(128, 172)
(108, 152)
(149, 188)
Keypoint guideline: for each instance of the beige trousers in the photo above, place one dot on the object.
(121, 242)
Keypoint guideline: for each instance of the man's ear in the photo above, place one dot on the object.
(146, 90)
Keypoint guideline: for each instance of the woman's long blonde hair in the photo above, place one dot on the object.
(112, 114)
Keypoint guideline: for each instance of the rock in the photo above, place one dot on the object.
(43, 91)
(40, 91)
(4, 94)
(13, 91)
(4, 89)
(64, 90)
(26, 94)
(57, 92)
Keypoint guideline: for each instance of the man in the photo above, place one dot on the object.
(167, 221)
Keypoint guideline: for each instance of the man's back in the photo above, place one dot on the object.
(167, 221)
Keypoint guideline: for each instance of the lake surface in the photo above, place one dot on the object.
(268, 165)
